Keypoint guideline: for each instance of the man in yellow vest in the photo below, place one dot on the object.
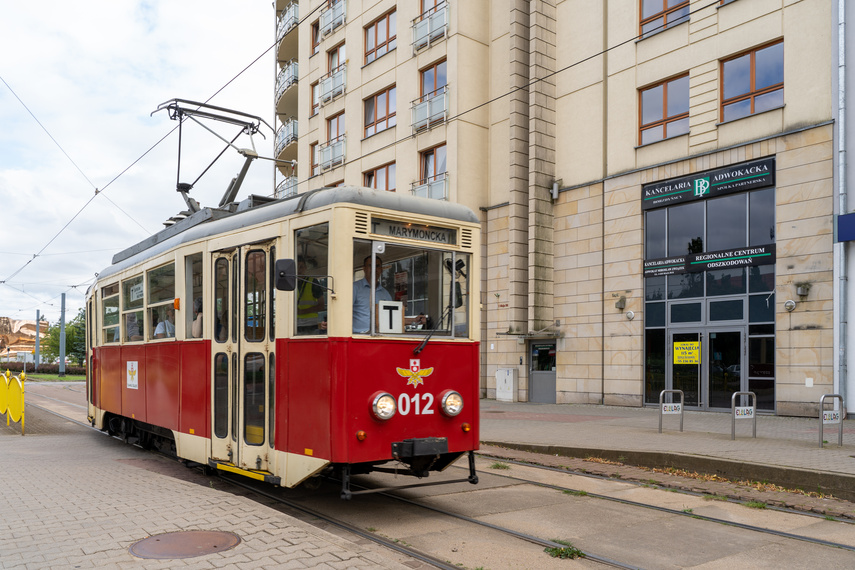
(310, 301)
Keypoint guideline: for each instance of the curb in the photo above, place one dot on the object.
(840, 485)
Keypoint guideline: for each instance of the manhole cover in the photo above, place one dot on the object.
(184, 544)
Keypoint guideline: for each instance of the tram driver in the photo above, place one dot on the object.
(362, 295)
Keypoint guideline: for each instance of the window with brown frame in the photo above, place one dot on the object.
(657, 15)
(381, 178)
(664, 110)
(316, 37)
(316, 162)
(316, 98)
(336, 57)
(752, 82)
(434, 78)
(380, 112)
(433, 163)
(380, 37)
(335, 126)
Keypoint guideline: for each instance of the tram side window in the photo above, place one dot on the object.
(221, 299)
(420, 290)
(193, 294)
(255, 290)
(161, 302)
(110, 313)
(312, 252)
(132, 309)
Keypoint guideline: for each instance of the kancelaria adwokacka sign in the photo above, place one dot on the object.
(709, 184)
(711, 260)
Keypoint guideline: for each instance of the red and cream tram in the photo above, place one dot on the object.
(242, 338)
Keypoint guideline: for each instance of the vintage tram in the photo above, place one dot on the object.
(241, 338)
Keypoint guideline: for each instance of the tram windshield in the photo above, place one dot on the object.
(419, 290)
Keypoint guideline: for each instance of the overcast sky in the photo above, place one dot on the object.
(92, 72)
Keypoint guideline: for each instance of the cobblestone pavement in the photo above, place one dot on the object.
(73, 498)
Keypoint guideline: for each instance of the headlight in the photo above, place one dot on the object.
(384, 406)
(452, 403)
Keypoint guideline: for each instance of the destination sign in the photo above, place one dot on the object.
(709, 184)
(421, 232)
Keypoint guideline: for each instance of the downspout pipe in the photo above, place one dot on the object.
(841, 196)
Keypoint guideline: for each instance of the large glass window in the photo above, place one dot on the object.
(416, 289)
(657, 15)
(311, 295)
(221, 395)
(726, 222)
(686, 229)
(254, 399)
(753, 82)
(380, 112)
(380, 37)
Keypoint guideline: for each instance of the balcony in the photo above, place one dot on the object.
(333, 83)
(287, 32)
(286, 188)
(286, 136)
(430, 109)
(286, 95)
(435, 187)
(332, 153)
(430, 27)
(333, 17)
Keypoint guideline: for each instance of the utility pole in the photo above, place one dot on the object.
(62, 337)
(38, 337)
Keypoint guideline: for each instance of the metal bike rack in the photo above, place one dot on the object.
(752, 407)
(662, 407)
(836, 417)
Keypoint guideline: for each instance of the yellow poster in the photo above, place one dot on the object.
(687, 353)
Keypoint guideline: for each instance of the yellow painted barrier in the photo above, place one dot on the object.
(12, 398)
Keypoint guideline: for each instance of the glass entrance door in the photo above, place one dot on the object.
(686, 367)
(724, 367)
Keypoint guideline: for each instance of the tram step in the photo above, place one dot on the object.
(265, 476)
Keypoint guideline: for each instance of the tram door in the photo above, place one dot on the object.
(243, 356)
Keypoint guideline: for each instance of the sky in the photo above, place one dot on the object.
(80, 81)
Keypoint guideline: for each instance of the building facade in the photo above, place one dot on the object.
(658, 181)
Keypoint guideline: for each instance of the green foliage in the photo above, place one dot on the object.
(498, 465)
(566, 551)
(755, 505)
(75, 340)
(575, 493)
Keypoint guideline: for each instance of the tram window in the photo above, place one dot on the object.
(221, 395)
(221, 299)
(254, 401)
(429, 287)
(161, 296)
(271, 397)
(312, 252)
(272, 288)
(255, 292)
(132, 305)
(193, 294)
(110, 313)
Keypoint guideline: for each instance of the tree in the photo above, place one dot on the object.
(75, 340)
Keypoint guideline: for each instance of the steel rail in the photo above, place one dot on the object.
(627, 502)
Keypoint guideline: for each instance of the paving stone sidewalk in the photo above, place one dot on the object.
(76, 499)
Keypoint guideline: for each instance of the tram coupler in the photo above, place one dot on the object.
(346, 493)
(473, 477)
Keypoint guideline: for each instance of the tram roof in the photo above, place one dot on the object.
(210, 222)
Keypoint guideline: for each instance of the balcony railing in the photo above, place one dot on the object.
(430, 26)
(435, 187)
(286, 78)
(288, 20)
(333, 17)
(332, 153)
(430, 109)
(286, 188)
(333, 83)
(286, 135)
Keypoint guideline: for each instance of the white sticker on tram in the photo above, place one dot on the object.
(133, 375)
(419, 404)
